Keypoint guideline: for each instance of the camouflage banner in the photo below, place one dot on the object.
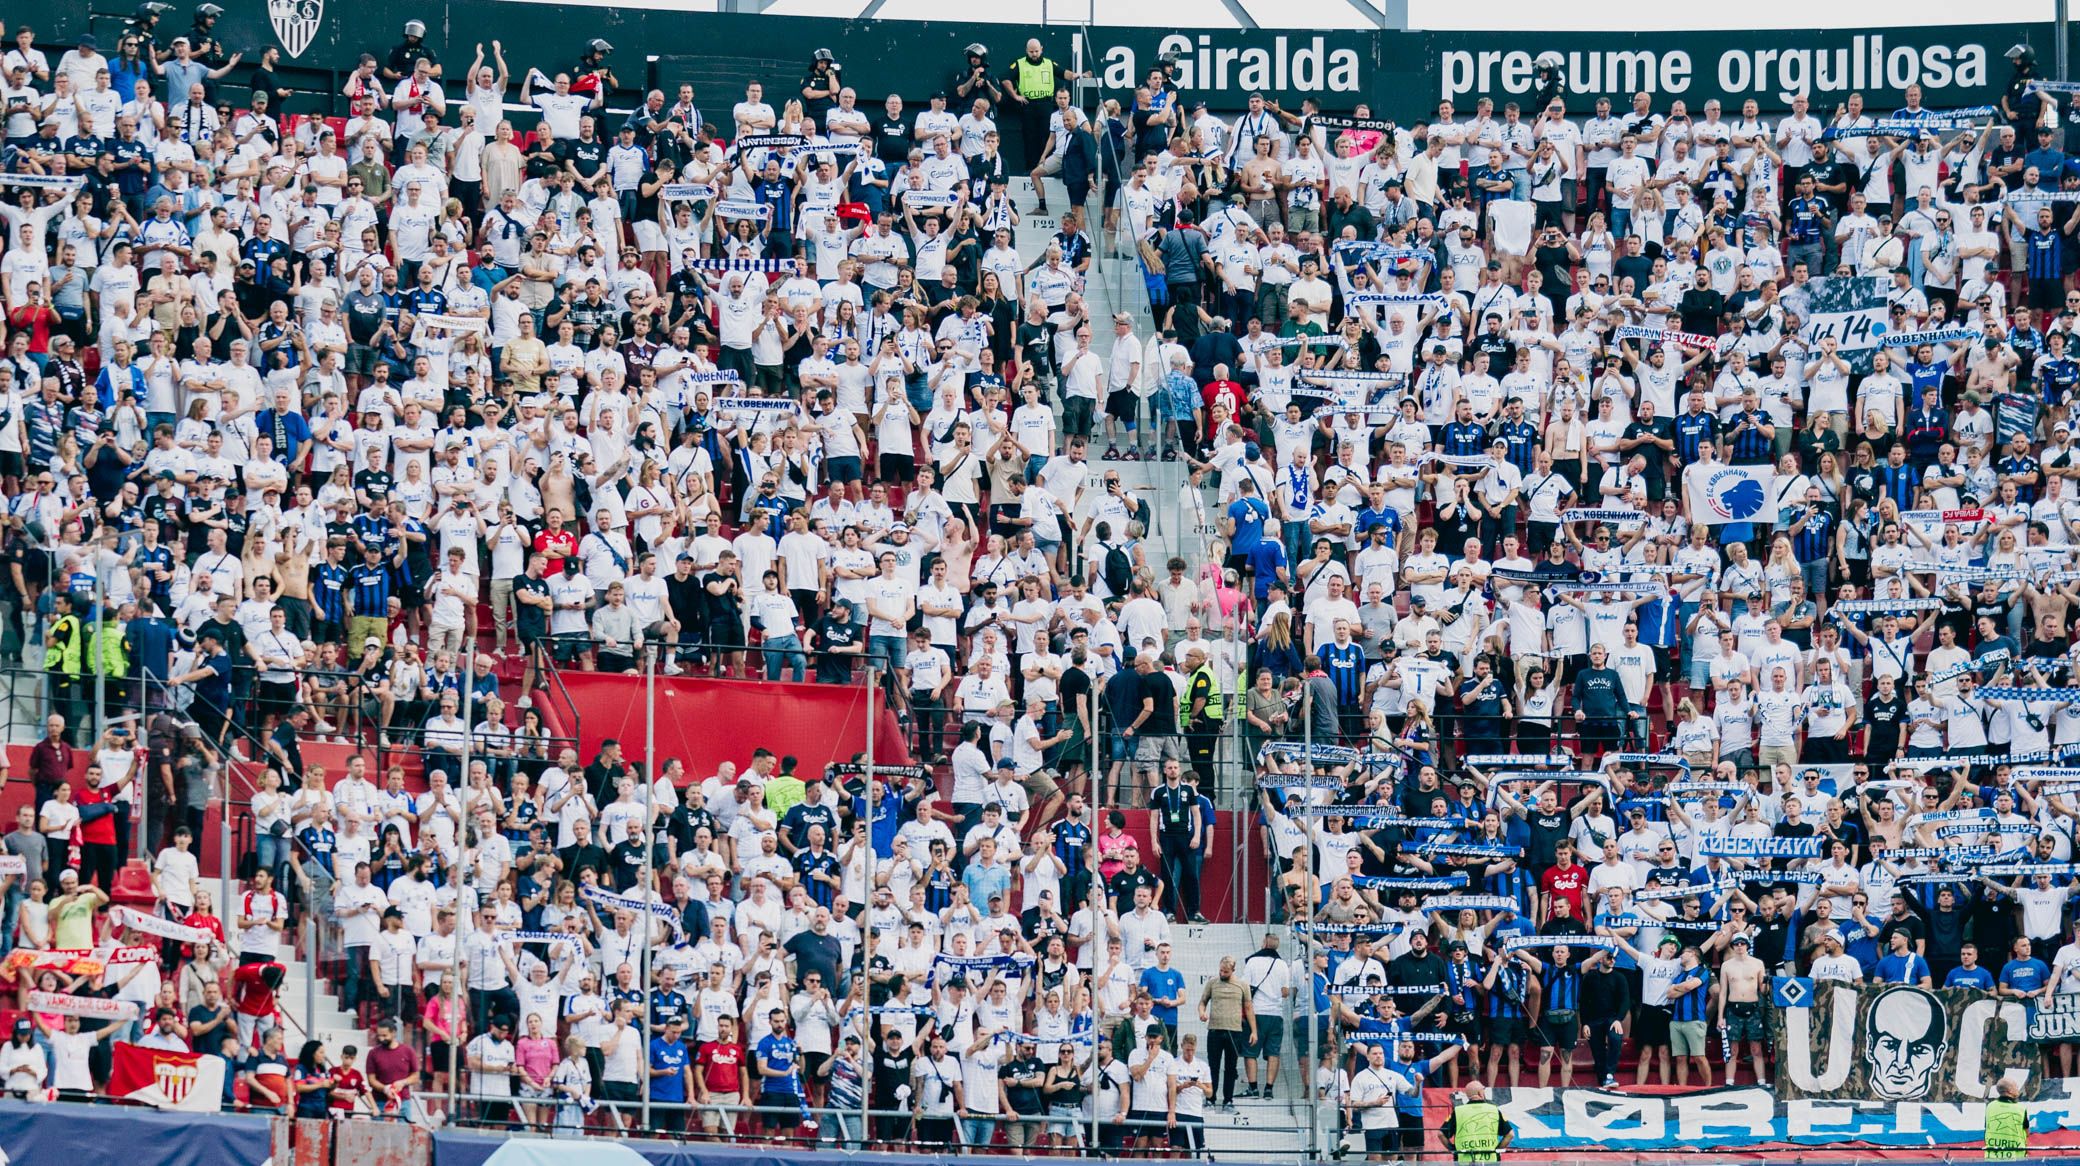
(1900, 1042)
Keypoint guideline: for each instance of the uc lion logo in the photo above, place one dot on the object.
(1733, 495)
(295, 22)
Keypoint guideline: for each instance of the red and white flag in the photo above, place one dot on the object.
(190, 1082)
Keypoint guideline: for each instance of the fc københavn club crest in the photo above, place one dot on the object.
(295, 22)
(1734, 495)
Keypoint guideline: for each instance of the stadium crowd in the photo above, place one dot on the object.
(348, 429)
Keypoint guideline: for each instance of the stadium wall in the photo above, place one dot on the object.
(1398, 74)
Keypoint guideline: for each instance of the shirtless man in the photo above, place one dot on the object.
(1260, 179)
(292, 565)
(1742, 979)
(558, 486)
(1993, 373)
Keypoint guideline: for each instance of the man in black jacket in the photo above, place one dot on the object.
(1600, 707)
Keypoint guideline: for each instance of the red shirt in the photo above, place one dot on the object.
(1215, 390)
(721, 1066)
(557, 545)
(347, 1086)
(94, 830)
(1566, 882)
(248, 994)
(37, 320)
(393, 1066)
(209, 923)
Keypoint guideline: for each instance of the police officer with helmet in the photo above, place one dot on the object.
(1548, 75)
(591, 73)
(2021, 105)
(145, 27)
(1477, 1131)
(820, 87)
(406, 53)
(206, 47)
(972, 80)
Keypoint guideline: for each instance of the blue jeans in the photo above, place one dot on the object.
(1181, 865)
(274, 855)
(785, 651)
(1519, 184)
(891, 651)
(842, 1128)
(8, 911)
(977, 1131)
(1621, 221)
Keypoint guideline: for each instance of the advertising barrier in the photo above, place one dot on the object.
(1400, 75)
(1750, 1118)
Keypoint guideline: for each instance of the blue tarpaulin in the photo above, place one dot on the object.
(33, 1132)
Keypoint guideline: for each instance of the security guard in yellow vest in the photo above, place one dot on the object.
(1477, 1131)
(1201, 714)
(2007, 1125)
(1031, 85)
(64, 659)
(109, 656)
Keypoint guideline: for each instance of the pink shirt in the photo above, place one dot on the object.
(536, 1057)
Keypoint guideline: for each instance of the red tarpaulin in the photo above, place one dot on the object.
(705, 722)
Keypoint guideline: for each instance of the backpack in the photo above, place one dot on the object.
(1119, 570)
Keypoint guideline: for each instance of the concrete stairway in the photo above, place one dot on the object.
(1257, 1127)
(1115, 285)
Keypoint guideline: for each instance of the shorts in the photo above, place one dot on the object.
(650, 237)
(780, 1111)
(1653, 1027)
(843, 469)
(1271, 1036)
(361, 360)
(1122, 748)
(10, 464)
(894, 650)
(1665, 665)
(1039, 785)
(1052, 164)
(1065, 1120)
(1686, 1038)
(566, 646)
(1506, 1030)
(1159, 748)
(1560, 1029)
(1744, 1021)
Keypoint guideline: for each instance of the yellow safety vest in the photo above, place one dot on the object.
(2007, 1131)
(110, 655)
(1216, 699)
(1477, 1132)
(1035, 79)
(61, 652)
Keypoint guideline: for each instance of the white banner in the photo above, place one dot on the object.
(452, 323)
(88, 1007)
(163, 928)
(1719, 493)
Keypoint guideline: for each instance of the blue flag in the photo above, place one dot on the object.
(1793, 991)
